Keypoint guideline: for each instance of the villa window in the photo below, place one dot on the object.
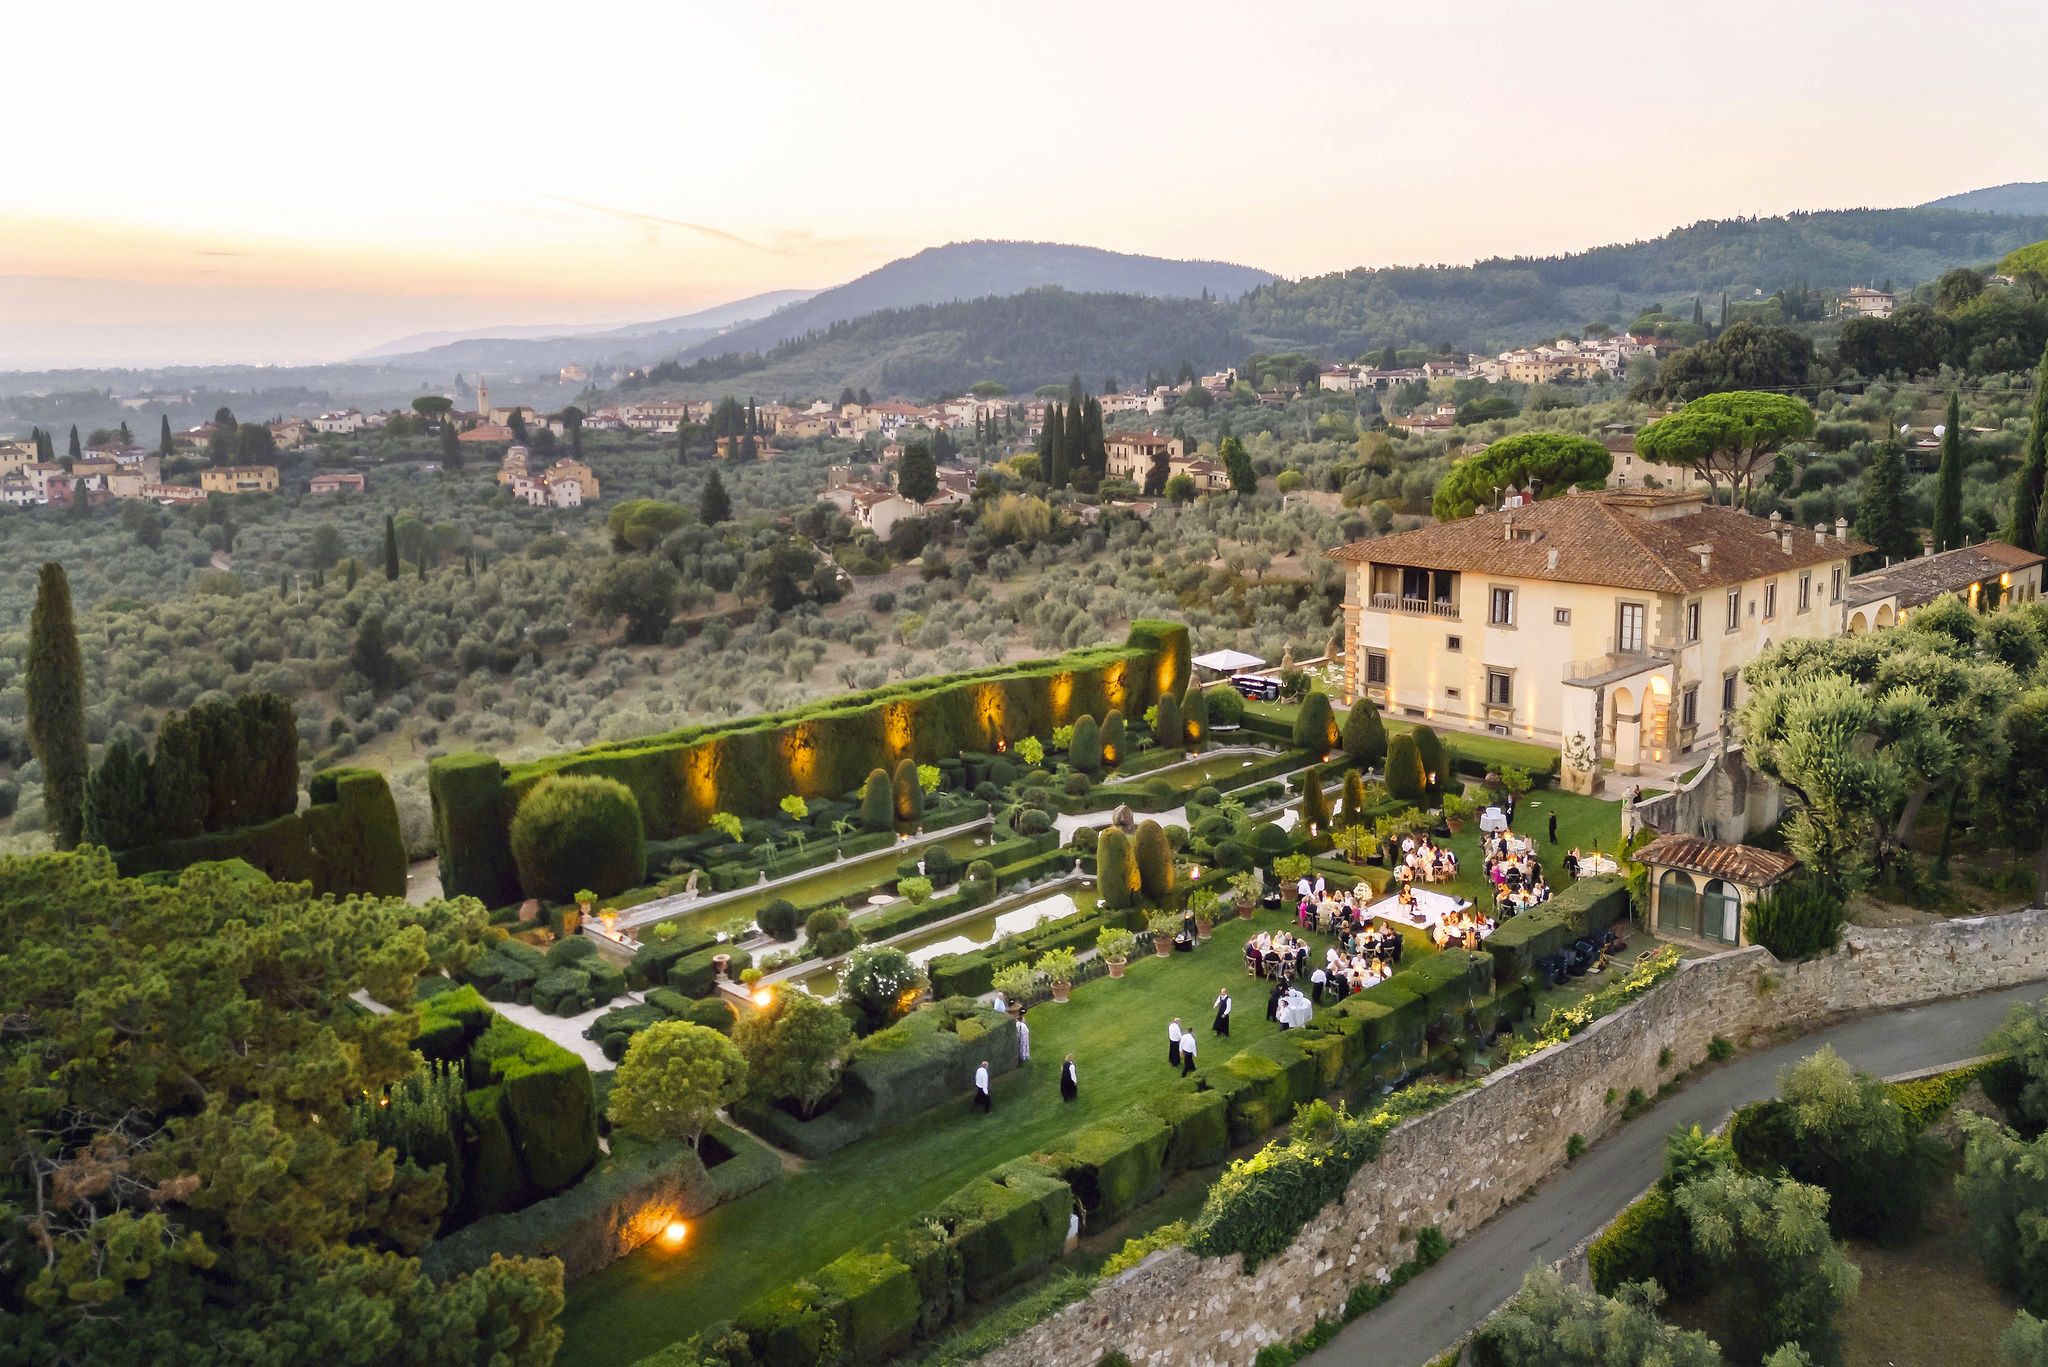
(1805, 591)
(1770, 601)
(1629, 627)
(1562, 616)
(1376, 668)
(1454, 643)
(1501, 612)
(1689, 707)
(1692, 620)
(1734, 609)
(1500, 688)
(1835, 586)
(1728, 691)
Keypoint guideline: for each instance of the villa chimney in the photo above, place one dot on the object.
(1551, 559)
(1841, 529)
(1820, 533)
(1926, 545)
(1507, 529)
(1706, 554)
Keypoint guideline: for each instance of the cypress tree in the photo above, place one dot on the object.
(1881, 518)
(1153, 854)
(1948, 488)
(1436, 761)
(117, 798)
(178, 787)
(1315, 804)
(1116, 873)
(76, 451)
(390, 548)
(714, 507)
(163, 441)
(1055, 464)
(2023, 526)
(371, 656)
(270, 741)
(1354, 799)
(1365, 735)
(54, 684)
(45, 452)
(351, 576)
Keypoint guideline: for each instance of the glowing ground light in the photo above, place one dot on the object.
(674, 1233)
(762, 996)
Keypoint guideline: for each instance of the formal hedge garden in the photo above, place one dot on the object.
(530, 1114)
(747, 767)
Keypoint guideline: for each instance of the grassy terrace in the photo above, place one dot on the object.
(1494, 750)
(1116, 1030)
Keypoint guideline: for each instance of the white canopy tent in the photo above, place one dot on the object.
(1227, 661)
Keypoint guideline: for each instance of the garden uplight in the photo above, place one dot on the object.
(762, 996)
(674, 1234)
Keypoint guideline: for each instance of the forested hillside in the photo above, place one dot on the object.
(1023, 340)
(1503, 301)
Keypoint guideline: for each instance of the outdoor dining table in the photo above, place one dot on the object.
(1493, 821)
(1295, 1010)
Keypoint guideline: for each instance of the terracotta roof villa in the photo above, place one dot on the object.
(1703, 889)
(1883, 597)
(1611, 623)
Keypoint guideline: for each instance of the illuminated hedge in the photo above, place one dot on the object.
(347, 841)
(825, 750)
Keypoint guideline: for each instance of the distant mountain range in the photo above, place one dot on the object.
(937, 275)
(2020, 197)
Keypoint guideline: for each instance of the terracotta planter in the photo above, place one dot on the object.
(1162, 945)
(1203, 929)
(719, 963)
(529, 910)
(1246, 910)
(1115, 966)
(1060, 990)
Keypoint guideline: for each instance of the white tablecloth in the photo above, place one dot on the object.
(1493, 819)
(1597, 863)
(1295, 1010)
(1430, 908)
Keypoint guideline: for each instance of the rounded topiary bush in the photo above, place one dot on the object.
(1406, 778)
(1226, 707)
(1315, 726)
(779, 920)
(1076, 785)
(1229, 855)
(1208, 795)
(1268, 838)
(1214, 826)
(981, 871)
(941, 867)
(577, 831)
(1154, 858)
(1034, 821)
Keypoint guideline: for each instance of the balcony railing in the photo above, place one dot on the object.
(1425, 607)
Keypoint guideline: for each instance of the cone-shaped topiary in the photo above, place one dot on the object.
(574, 831)
(1404, 768)
(1315, 804)
(1085, 753)
(1315, 726)
(1112, 737)
(1354, 799)
(1154, 856)
(908, 792)
(877, 804)
(1166, 725)
(1365, 735)
(1194, 718)
(1116, 872)
(1436, 761)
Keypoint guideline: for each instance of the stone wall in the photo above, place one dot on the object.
(1726, 800)
(1457, 1166)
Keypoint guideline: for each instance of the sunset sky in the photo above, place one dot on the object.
(264, 181)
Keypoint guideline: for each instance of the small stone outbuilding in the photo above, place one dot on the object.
(1700, 889)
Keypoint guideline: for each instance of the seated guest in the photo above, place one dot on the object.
(1571, 862)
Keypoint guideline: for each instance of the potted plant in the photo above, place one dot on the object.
(1115, 944)
(584, 897)
(1059, 967)
(1457, 811)
(1163, 924)
(1202, 902)
(1357, 844)
(1244, 886)
(1016, 982)
(1290, 869)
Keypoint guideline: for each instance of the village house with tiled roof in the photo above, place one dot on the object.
(1613, 623)
(1888, 596)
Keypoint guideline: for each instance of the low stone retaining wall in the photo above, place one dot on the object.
(1457, 1166)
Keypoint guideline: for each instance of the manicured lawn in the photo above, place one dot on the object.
(1496, 751)
(1116, 1030)
(1584, 823)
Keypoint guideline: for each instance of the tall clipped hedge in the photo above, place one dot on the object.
(576, 831)
(1315, 803)
(1405, 775)
(1154, 857)
(878, 802)
(347, 841)
(905, 794)
(1194, 718)
(1116, 871)
(1084, 752)
(1354, 799)
(1166, 727)
(470, 828)
(1114, 747)
(1365, 735)
(1315, 726)
(1435, 759)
